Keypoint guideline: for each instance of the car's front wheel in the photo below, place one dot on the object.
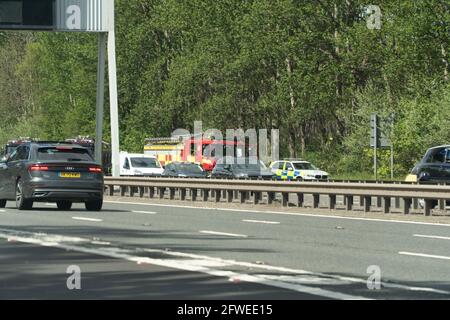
(2, 203)
(64, 205)
(22, 203)
(94, 205)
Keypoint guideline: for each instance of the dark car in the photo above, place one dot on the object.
(434, 166)
(183, 170)
(51, 172)
(241, 169)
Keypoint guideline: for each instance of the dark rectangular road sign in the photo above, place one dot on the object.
(56, 15)
(27, 14)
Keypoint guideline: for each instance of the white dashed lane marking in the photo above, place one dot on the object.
(87, 219)
(224, 234)
(431, 237)
(424, 255)
(262, 221)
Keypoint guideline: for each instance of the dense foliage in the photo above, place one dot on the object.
(313, 69)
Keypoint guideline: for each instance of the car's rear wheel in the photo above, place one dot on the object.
(94, 205)
(22, 203)
(2, 203)
(64, 205)
(299, 178)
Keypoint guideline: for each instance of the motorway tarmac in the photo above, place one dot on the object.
(161, 251)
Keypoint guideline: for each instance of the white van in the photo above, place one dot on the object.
(138, 164)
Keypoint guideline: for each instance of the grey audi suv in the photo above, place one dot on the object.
(51, 172)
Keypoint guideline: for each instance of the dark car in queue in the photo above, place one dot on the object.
(184, 170)
(243, 168)
(433, 168)
(51, 172)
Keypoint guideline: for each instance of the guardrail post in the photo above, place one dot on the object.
(243, 196)
(331, 201)
(218, 195)
(300, 200)
(397, 202)
(111, 190)
(406, 205)
(270, 197)
(415, 204)
(131, 191)
(386, 204)
(172, 193)
(161, 191)
(205, 194)
(183, 194)
(316, 200)
(122, 191)
(441, 204)
(151, 192)
(230, 196)
(255, 197)
(193, 194)
(367, 203)
(361, 200)
(348, 202)
(379, 202)
(285, 199)
(428, 206)
(141, 192)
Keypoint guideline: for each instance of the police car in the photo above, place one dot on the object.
(297, 169)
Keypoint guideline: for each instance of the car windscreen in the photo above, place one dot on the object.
(64, 154)
(145, 163)
(304, 166)
(438, 155)
(188, 168)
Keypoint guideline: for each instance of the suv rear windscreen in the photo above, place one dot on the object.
(64, 154)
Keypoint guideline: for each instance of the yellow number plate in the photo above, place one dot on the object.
(73, 175)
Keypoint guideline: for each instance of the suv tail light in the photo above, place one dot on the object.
(37, 167)
(96, 169)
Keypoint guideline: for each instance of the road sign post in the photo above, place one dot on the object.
(374, 141)
(100, 97)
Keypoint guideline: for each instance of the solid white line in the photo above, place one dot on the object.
(285, 213)
(424, 255)
(1, 210)
(87, 219)
(146, 212)
(262, 221)
(431, 237)
(224, 234)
